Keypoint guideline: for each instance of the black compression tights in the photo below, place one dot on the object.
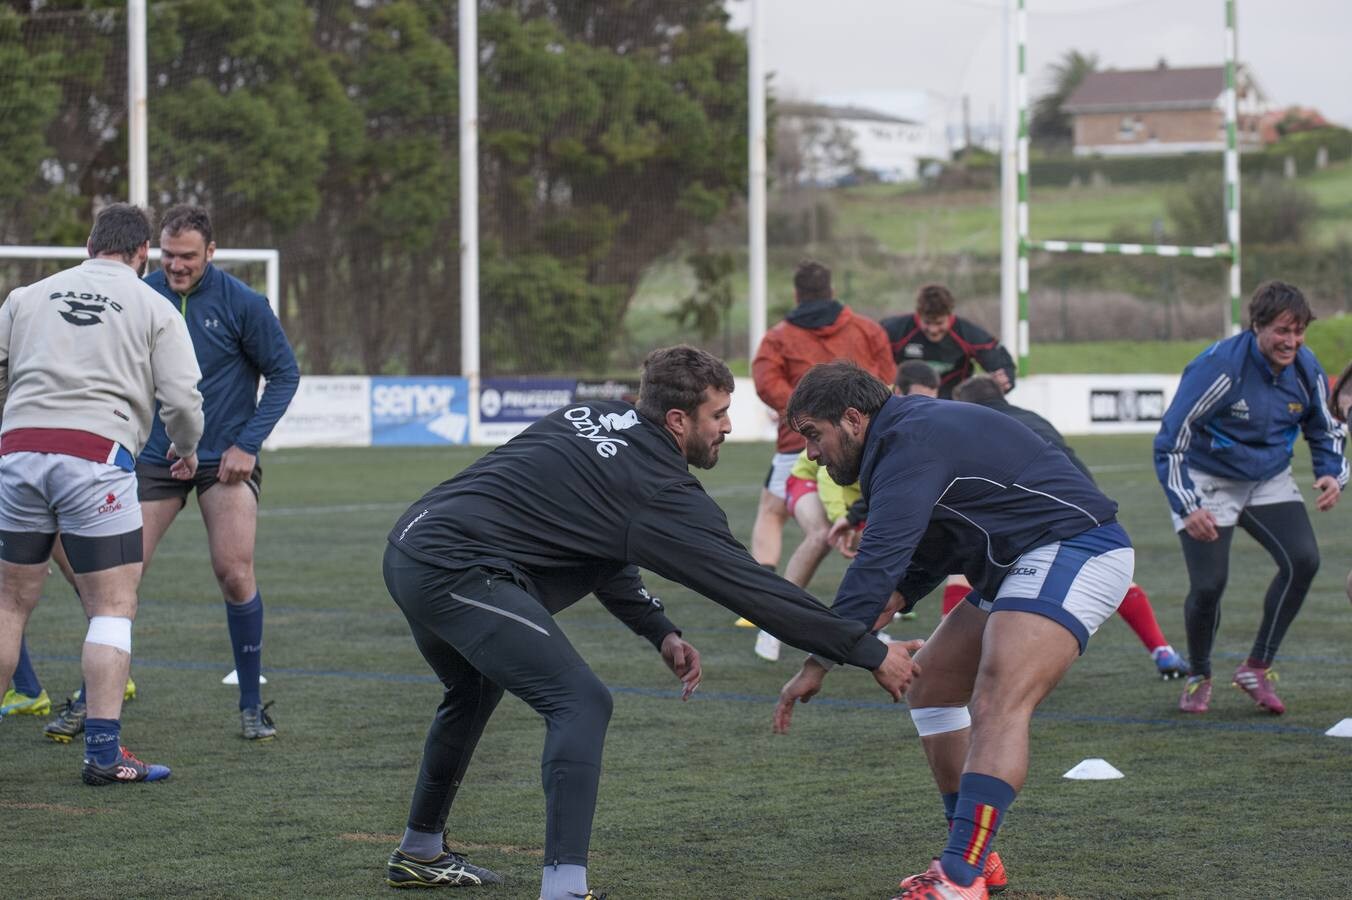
(1284, 531)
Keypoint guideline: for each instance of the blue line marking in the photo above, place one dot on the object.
(727, 697)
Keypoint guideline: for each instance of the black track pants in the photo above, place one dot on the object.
(1284, 531)
(482, 634)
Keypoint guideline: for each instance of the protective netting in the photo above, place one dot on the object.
(15, 272)
(611, 133)
(614, 160)
(888, 74)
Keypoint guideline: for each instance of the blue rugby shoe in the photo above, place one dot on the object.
(124, 770)
(1169, 664)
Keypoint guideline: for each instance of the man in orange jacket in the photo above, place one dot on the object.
(818, 329)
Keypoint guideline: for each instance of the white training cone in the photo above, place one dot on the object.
(1342, 729)
(1094, 770)
(233, 678)
(767, 646)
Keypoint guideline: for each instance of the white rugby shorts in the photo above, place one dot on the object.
(44, 493)
(1226, 498)
(780, 467)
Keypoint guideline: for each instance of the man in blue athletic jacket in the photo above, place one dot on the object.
(1047, 561)
(238, 340)
(480, 565)
(1223, 455)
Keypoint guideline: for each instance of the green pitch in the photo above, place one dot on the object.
(697, 799)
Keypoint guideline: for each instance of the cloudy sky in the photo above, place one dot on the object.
(899, 55)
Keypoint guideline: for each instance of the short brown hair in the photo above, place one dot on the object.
(812, 281)
(186, 217)
(916, 371)
(119, 228)
(980, 389)
(933, 300)
(676, 378)
(1272, 298)
(1339, 386)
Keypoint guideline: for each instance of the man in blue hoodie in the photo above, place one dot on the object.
(1041, 546)
(238, 339)
(1223, 456)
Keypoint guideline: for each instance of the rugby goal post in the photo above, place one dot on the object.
(271, 259)
(1017, 244)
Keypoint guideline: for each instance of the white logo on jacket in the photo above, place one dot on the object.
(598, 432)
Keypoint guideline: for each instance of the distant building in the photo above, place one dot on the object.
(887, 147)
(1161, 111)
(1277, 123)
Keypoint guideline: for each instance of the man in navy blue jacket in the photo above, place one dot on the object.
(238, 340)
(1039, 543)
(1223, 455)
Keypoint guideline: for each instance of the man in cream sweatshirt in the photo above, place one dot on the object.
(84, 357)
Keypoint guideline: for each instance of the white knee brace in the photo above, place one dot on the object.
(113, 631)
(940, 719)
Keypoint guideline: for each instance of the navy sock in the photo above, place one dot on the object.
(982, 801)
(950, 805)
(246, 640)
(25, 677)
(101, 740)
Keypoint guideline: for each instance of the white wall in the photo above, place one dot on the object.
(1097, 404)
(894, 149)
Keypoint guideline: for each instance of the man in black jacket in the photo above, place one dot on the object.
(569, 507)
(947, 342)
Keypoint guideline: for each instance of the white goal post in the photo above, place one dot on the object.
(270, 258)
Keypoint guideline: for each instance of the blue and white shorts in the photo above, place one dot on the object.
(1078, 582)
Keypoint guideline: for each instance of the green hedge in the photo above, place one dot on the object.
(1062, 171)
(1331, 341)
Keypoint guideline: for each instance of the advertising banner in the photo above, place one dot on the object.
(327, 411)
(419, 411)
(508, 405)
(605, 390)
(1126, 405)
(1098, 404)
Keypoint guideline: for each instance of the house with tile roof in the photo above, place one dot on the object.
(1161, 111)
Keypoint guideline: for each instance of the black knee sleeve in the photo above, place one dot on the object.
(25, 549)
(94, 554)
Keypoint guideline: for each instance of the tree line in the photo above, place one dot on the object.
(610, 131)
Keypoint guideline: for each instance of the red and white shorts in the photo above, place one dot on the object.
(44, 493)
(795, 487)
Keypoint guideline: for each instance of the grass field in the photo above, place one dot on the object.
(906, 220)
(697, 799)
